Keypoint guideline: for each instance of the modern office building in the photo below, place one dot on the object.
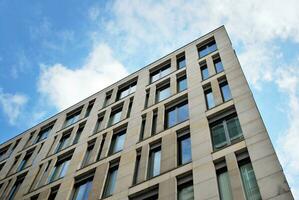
(183, 127)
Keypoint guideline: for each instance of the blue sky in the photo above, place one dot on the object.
(50, 50)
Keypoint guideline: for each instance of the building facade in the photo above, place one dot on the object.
(184, 127)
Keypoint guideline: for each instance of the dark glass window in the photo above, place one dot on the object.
(64, 142)
(182, 83)
(142, 129)
(225, 91)
(43, 134)
(185, 188)
(130, 108)
(3, 152)
(15, 188)
(123, 92)
(226, 130)
(78, 134)
(88, 110)
(207, 48)
(209, 98)
(72, 118)
(110, 181)
(177, 114)
(154, 164)
(60, 169)
(163, 93)
(99, 124)
(204, 72)
(118, 141)
(181, 62)
(218, 65)
(82, 190)
(25, 160)
(107, 99)
(53, 193)
(184, 148)
(115, 116)
(160, 73)
(154, 122)
(87, 157)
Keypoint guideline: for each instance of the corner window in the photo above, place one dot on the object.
(163, 92)
(160, 73)
(118, 141)
(177, 114)
(207, 48)
(126, 91)
(154, 163)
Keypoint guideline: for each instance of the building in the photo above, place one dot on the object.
(184, 127)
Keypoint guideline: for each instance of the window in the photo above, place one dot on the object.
(115, 116)
(35, 197)
(160, 73)
(64, 141)
(3, 152)
(218, 65)
(225, 91)
(204, 71)
(14, 164)
(177, 114)
(137, 165)
(25, 160)
(154, 162)
(87, 157)
(163, 93)
(78, 134)
(117, 142)
(82, 189)
(142, 129)
(146, 98)
(101, 147)
(130, 108)
(88, 110)
(154, 122)
(43, 134)
(1, 166)
(184, 148)
(182, 83)
(125, 91)
(250, 185)
(111, 180)
(107, 100)
(151, 193)
(72, 118)
(15, 188)
(207, 48)
(181, 62)
(225, 131)
(29, 139)
(185, 187)
(224, 186)
(209, 98)
(99, 123)
(53, 193)
(60, 168)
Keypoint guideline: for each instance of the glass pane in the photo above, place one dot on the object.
(119, 143)
(115, 118)
(249, 182)
(203, 52)
(64, 168)
(82, 192)
(171, 118)
(182, 84)
(224, 186)
(183, 113)
(186, 193)
(225, 92)
(155, 77)
(205, 73)
(218, 65)
(111, 182)
(212, 47)
(156, 164)
(165, 72)
(132, 89)
(234, 129)
(163, 94)
(218, 135)
(124, 93)
(181, 62)
(210, 100)
(185, 150)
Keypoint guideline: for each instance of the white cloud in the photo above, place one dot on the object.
(12, 105)
(62, 86)
(94, 13)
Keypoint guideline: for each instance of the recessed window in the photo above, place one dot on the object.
(185, 187)
(43, 134)
(3, 152)
(101, 147)
(15, 188)
(115, 116)
(154, 163)
(53, 193)
(142, 129)
(225, 91)
(24, 162)
(118, 141)
(225, 131)
(207, 48)
(107, 100)
(150, 193)
(154, 122)
(127, 90)
(209, 98)
(111, 180)
(182, 83)
(184, 148)
(181, 62)
(224, 186)
(64, 141)
(1, 166)
(204, 71)
(72, 118)
(218, 65)
(82, 189)
(160, 73)
(146, 98)
(130, 108)
(87, 157)
(88, 110)
(163, 92)
(60, 168)
(137, 166)
(177, 114)
(78, 134)
(99, 124)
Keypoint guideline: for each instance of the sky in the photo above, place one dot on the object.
(56, 53)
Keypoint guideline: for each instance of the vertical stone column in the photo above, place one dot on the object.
(216, 92)
(143, 164)
(168, 152)
(167, 189)
(160, 120)
(98, 181)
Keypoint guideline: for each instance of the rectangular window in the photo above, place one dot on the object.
(181, 62)
(78, 134)
(24, 162)
(64, 141)
(88, 110)
(177, 114)
(3, 152)
(163, 93)
(151, 193)
(154, 122)
(53, 194)
(185, 187)
(127, 90)
(182, 83)
(146, 98)
(15, 188)
(115, 116)
(43, 134)
(184, 148)
(82, 189)
(209, 98)
(204, 71)
(225, 91)
(154, 163)
(137, 165)
(87, 157)
(225, 131)
(250, 185)
(207, 48)
(101, 147)
(111, 180)
(160, 73)
(224, 186)
(130, 108)
(60, 168)
(218, 64)
(142, 129)
(107, 100)
(99, 124)
(72, 118)
(118, 141)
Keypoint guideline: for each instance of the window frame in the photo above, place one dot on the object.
(175, 108)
